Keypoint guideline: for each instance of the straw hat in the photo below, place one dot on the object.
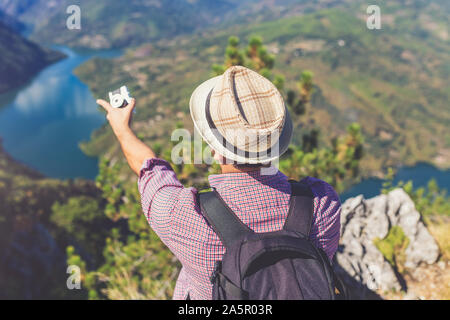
(242, 116)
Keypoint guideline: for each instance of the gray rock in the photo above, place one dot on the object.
(379, 273)
(442, 265)
(423, 249)
(359, 262)
(377, 219)
(410, 296)
(351, 207)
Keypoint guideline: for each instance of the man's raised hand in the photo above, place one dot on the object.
(119, 118)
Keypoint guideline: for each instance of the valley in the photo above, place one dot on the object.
(404, 114)
(67, 197)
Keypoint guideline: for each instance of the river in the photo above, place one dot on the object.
(42, 123)
(420, 175)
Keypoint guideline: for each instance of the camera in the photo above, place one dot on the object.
(119, 98)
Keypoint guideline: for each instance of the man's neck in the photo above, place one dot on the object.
(229, 168)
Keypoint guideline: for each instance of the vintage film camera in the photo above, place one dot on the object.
(119, 98)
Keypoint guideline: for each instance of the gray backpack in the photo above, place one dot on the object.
(276, 265)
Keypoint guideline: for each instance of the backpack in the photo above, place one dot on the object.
(277, 265)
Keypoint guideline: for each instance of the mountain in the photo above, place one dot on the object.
(11, 22)
(21, 59)
(124, 23)
(106, 24)
(30, 12)
(393, 81)
(18, 8)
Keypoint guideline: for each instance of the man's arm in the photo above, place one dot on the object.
(170, 208)
(135, 151)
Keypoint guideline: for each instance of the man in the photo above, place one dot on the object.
(242, 116)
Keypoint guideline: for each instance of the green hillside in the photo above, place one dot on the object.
(122, 23)
(392, 81)
(33, 238)
(40, 218)
(20, 59)
(107, 24)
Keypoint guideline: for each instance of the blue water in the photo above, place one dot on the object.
(420, 175)
(42, 123)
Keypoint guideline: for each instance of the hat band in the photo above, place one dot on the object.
(230, 147)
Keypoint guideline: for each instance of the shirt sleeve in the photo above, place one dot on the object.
(159, 188)
(156, 176)
(325, 231)
(173, 213)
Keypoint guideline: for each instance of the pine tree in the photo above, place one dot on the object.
(255, 57)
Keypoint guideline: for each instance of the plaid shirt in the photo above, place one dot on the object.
(260, 201)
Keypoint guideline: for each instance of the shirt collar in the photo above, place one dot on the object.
(268, 176)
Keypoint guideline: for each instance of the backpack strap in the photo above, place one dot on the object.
(301, 209)
(222, 219)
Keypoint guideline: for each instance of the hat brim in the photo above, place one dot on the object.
(197, 107)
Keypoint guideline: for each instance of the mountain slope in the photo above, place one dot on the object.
(106, 24)
(11, 22)
(20, 59)
(122, 23)
(32, 246)
(30, 12)
(392, 81)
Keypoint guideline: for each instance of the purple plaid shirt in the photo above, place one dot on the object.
(260, 201)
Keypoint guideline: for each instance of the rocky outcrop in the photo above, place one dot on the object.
(359, 262)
